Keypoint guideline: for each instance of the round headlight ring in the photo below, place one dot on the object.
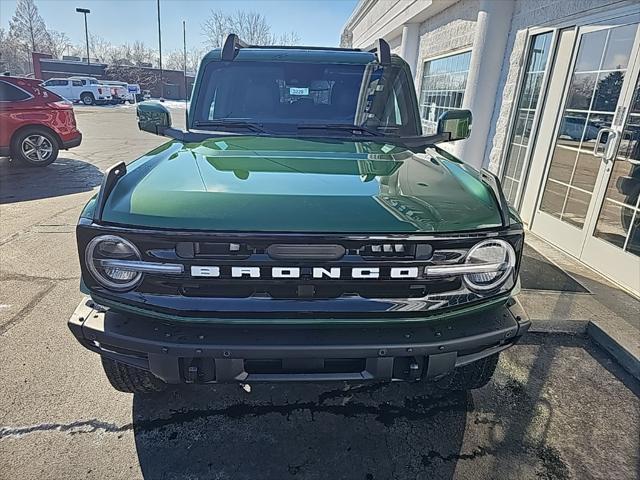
(509, 259)
(101, 276)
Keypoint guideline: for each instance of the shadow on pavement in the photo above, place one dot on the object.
(366, 432)
(389, 431)
(63, 177)
(559, 339)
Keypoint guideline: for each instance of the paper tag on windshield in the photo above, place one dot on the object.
(298, 91)
(386, 148)
(222, 145)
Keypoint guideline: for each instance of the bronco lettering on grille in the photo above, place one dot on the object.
(309, 272)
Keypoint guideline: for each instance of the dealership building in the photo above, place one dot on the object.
(553, 88)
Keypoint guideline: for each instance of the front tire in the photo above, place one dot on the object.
(128, 379)
(35, 147)
(471, 376)
(87, 98)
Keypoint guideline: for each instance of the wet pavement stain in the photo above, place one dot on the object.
(387, 414)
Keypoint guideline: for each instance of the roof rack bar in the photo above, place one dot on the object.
(383, 50)
(231, 44)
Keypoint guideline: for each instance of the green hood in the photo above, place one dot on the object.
(260, 184)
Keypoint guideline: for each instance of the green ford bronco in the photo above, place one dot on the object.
(301, 228)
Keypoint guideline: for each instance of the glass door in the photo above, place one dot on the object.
(597, 98)
(614, 246)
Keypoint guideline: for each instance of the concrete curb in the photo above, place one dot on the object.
(617, 340)
(619, 345)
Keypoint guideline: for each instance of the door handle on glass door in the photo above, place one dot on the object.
(607, 152)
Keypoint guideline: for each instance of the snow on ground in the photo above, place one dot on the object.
(172, 103)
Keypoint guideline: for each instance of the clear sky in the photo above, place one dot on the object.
(318, 22)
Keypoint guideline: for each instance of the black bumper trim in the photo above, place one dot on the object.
(74, 142)
(164, 348)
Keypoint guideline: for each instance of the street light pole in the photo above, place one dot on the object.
(160, 53)
(86, 29)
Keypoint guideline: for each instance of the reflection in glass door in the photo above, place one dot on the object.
(614, 247)
(517, 158)
(619, 220)
(589, 203)
(593, 93)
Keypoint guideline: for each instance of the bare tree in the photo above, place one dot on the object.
(141, 54)
(13, 57)
(27, 26)
(57, 43)
(216, 27)
(121, 55)
(148, 79)
(252, 27)
(287, 38)
(175, 60)
(27, 32)
(99, 48)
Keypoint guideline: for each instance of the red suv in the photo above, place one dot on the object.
(34, 122)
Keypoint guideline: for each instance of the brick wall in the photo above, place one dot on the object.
(450, 30)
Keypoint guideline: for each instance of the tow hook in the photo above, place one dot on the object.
(414, 370)
(191, 375)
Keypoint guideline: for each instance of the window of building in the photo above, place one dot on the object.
(442, 88)
(10, 93)
(518, 151)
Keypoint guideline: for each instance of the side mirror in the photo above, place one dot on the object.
(457, 123)
(153, 118)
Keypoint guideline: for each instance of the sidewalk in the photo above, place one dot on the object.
(560, 294)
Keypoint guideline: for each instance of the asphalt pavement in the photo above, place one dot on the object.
(558, 408)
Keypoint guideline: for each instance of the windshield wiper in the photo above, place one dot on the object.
(340, 126)
(223, 123)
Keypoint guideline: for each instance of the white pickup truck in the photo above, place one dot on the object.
(87, 90)
(120, 91)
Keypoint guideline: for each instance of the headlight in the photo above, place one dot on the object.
(495, 261)
(103, 248)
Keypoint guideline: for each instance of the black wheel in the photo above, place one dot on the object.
(472, 376)
(130, 379)
(35, 147)
(87, 98)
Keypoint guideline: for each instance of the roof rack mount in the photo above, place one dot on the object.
(111, 177)
(232, 44)
(383, 51)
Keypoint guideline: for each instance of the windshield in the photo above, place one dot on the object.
(302, 95)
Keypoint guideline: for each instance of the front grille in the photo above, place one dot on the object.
(324, 273)
(264, 255)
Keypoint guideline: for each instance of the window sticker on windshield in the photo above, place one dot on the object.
(386, 148)
(222, 145)
(298, 91)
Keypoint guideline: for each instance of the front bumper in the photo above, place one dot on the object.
(206, 353)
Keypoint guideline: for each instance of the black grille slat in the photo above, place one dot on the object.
(289, 289)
